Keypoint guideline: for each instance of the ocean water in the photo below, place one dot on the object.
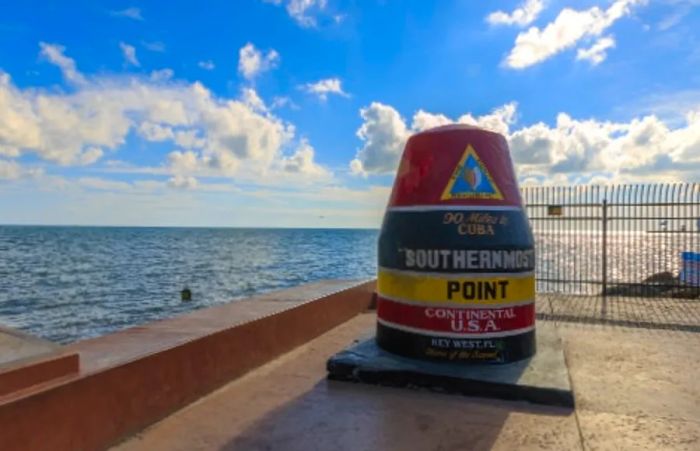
(70, 283)
(572, 262)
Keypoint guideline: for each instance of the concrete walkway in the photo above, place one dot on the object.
(640, 312)
(635, 389)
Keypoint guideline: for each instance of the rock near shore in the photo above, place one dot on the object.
(663, 285)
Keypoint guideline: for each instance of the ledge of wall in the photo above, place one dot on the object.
(130, 379)
(26, 361)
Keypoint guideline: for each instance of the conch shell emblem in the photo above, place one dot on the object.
(472, 176)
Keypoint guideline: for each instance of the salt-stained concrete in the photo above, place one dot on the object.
(634, 388)
(623, 370)
(16, 346)
(289, 404)
(133, 343)
(27, 361)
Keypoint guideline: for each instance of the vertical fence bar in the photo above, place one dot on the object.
(682, 242)
(557, 233)
(669, 213)
(648, 223)
(604, 256)
(695, 214)
(592, 225)
(604, 239)
(655, 236)
(631, 249)
(545, 199)
(577, 241)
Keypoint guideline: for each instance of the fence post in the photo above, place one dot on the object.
(604, 269)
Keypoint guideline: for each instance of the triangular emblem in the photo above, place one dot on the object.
(471, 180)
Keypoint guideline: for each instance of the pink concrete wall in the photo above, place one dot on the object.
(100, 407)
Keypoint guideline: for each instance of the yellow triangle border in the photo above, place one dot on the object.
(446, 194)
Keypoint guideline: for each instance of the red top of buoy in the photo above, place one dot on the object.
(455, 165)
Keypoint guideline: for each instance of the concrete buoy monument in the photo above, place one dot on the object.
(455, 293)
(456, 253)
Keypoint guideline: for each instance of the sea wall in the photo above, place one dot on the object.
(133, 378)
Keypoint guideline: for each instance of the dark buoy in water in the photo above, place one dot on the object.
(186, 294)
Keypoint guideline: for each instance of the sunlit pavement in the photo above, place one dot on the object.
(635, 388)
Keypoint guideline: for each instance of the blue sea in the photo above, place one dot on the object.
(71, 283)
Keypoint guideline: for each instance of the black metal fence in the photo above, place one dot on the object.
(615, 240)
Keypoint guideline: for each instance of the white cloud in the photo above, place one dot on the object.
(570, 26)
(155, 132)
(303, 11)
(11, 170)
(424, 120)
(671, 106)
(252, 62)
(302, 162)
(189, 139)
(102, 184)
(216, 136)
(184, 162)
(597, 53)
(129, 53)
(162, 75)
(299, 10)
(281, 102)
(385, 132)
(90, 156)
(182, 182)
(130, 13)
(323, 88)
(525, 14)
(54, 54)
(644, 149)
(499, 120)
(206, 65)
(158, 202)
(251, 98)
(681, 8)
(60, 127)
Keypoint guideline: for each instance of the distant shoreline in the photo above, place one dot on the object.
(187, 227)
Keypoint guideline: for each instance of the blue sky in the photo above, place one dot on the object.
(294, 112)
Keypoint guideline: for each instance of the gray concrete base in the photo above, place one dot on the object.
(543, 379)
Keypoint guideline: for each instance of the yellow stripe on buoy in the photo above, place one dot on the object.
(464, 289)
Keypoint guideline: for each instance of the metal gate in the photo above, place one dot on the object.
(624, 240)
